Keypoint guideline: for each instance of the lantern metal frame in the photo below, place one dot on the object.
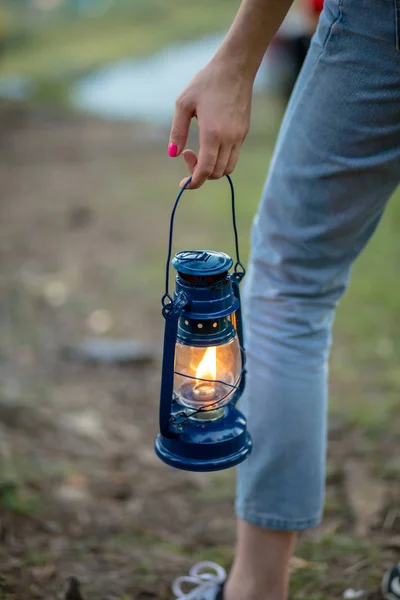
(188, 438)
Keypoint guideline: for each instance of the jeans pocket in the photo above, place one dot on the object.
(397, 22)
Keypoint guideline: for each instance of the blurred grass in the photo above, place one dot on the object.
(364, 367)
(20, 500)
(62, 45)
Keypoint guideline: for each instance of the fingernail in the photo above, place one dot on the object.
(172, 150)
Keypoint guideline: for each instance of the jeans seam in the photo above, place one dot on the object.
(318, 58)
(331, 28)
(280, 523)
(326, 42)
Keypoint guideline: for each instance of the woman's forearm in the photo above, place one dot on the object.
(254, 26)
(219, 96)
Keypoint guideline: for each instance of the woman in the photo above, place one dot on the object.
(336, 163)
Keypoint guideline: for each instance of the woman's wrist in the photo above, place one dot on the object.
(250, 35)
(237, 60)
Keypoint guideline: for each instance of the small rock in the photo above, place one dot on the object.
(43, 573)
(351, 594)
(100, 321)
(112, 352)
(72, 494)
(52, 527)
(55, 292)
(74, 489)
(80, 217)
(87, 423)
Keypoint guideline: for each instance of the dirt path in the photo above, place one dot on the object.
(81, 491)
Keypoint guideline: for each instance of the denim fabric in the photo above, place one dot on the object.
(336, 163)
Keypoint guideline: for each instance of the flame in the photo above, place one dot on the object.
(207, 368)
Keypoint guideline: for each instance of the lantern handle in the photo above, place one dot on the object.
(239, 270)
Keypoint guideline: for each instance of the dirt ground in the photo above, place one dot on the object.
(81, 491)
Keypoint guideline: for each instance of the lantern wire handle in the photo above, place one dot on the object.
(233, 387)
(239, 270)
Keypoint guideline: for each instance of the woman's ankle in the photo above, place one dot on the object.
(244, 590)
(261, 567)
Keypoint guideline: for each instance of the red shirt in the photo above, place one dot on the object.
(316, 6)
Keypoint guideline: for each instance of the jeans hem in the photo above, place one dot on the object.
(269, 522)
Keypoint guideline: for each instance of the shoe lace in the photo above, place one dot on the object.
(206, 576)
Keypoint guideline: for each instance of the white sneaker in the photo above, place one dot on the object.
(206, 579)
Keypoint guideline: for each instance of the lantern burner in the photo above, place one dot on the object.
(204, 392)
(204, 395)
(208, 415)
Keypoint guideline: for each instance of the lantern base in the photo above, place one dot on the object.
(207, 446)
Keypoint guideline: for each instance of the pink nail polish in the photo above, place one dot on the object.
(172, 150)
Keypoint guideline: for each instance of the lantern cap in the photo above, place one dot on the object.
(202, 262)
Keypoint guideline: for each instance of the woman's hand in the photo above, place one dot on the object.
(219, 96)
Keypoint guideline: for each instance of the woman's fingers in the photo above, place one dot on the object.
(234, 157)
(225, 164)
(191, 162)
(209, 149)
(222, 162)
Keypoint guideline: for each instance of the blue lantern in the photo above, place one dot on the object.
(203, 370)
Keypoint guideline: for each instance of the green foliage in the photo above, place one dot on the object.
(19, 500)
(325, 555)
(5, 592)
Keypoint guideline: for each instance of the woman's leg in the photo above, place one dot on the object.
(336, 163)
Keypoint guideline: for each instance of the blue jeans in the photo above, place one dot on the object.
(336, 163)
